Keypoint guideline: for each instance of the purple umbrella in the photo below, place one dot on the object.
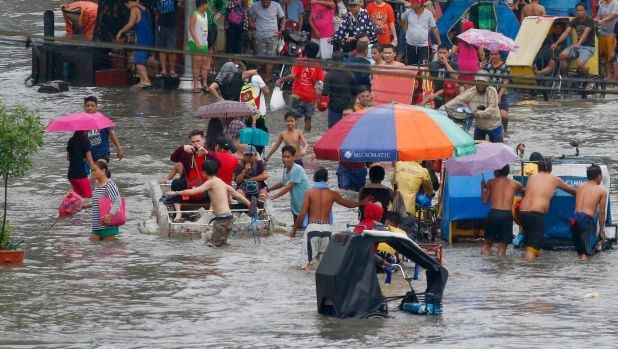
(488, 157)
(225, 110)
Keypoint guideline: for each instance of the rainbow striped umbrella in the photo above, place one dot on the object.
(392, 132)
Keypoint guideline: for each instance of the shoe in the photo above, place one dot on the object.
(589, 86)
(173, 75)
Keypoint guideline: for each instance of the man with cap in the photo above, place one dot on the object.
(355, 25)
(482, 99)
(251, 172)
(416, 22)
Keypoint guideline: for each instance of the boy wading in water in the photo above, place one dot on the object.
(588, 197)
(540, 189)
(500, 191)
(293, 137)
(218, 193)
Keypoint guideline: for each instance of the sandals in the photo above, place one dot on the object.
(141, 86)
(197, 90)
(173, 75)
(178, 220)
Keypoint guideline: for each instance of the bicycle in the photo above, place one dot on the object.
(426, 220)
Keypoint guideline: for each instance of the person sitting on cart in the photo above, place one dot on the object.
(443, 69)
(192, 157)
(385, 251)
(588, 197)
(251, 175)
(483, 100)
(410, 177)
(545, 61)
(584, 48)
(501, 192)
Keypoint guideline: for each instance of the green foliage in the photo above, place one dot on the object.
(21, 135)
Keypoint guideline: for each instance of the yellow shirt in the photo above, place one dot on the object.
(530, 169)
(384, 247)
(409, 176)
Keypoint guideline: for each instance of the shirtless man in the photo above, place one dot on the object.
(588, 197)
(532, 9)
(291, 136)
(319, 202)
(388, 54)
(218, 192)
(539, 191)
(500, 191)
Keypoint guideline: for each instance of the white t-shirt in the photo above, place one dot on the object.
(258, 83)
(418, 27)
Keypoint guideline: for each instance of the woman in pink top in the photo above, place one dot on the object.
(322, 25)
(468, 56)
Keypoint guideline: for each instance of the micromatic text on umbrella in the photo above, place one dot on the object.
(364, 156)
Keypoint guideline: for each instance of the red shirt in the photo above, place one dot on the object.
(196, 171)
(304, 82)
(381, 17)
(228, 165)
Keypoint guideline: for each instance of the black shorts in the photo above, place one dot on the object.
(533, 225)
(583, 230)
(499, 226)
(417, 55)
(504, 103)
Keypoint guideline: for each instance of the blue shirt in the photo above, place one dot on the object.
(298, 177)
(294, 9)
(99, 143)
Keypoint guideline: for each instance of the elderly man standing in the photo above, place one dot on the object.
(416, 22)
(263, 17)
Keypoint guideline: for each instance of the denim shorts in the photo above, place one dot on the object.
(584, 53)
(504, 103)
(495, 136)
(302, 108)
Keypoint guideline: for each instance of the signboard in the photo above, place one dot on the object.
(394, 85)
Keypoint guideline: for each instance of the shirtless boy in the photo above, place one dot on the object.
(291, 136)
(500, 191)
(218, 192)
(318, 202)
(532, 9)
(588, 197)
(540, 189)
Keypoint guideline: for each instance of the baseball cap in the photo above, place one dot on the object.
(482, 75)
(417, 1)
(355, 2)
(249, 150)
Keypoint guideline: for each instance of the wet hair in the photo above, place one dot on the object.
(385, 46)
(224, 142)
(214, 130)
(362, 88)
(503, 172)
(362, 46)
(102, 165)
(443, 47)
(91, 99)
(535, 156)
(251, 65)
(290, 149)
(196, 133)
(393, 217)
(545, 165)
(290, 113)
(311, 49)
(321, 175)
(593, 172)
(337, 57)
(376, 174)
(378, 47)
(80, 134)
(199, 3)
(582, 4)
(210, 168)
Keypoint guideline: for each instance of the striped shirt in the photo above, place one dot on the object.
(110, 189)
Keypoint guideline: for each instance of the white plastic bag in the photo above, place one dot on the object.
(276, 100)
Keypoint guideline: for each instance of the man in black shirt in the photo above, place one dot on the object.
(360, 62)
(443, 69)
(339, 87)
(166, 34)
(583, 49)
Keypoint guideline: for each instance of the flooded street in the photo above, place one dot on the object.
(147, 291)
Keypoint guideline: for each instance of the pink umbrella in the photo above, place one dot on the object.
(80, 121)
(489, 40)
(488, 157)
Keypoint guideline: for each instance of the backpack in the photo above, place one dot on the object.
(230, 90)
(249, 95)
(236, 15)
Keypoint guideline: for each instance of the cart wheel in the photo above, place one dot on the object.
(375, 316)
